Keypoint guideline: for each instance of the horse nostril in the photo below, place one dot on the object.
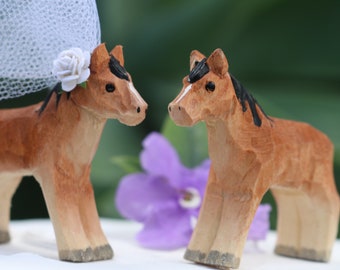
(138, 110)
(169, 108)
(179, 107)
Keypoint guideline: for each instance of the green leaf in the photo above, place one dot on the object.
(83, 84)
(129, 164)
(117, 140)
(191, 143)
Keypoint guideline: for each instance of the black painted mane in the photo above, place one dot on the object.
(244, 96)
(201, 68)
(117, 69)
(56, 90)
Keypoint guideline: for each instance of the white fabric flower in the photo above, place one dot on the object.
(72, 68)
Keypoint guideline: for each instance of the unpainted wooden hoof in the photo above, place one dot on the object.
(195, 256)
(103, 253)
(213, 258)
(4, 237)
(77, 255)
(303, 253)
(87, 255)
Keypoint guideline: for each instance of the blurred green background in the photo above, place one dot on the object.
(286, 53)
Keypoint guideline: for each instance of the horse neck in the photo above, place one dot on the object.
(80, 128)
(235, 130)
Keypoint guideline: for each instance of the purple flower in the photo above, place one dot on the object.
(260, 225)
(167, 196)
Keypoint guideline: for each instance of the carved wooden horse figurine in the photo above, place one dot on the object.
(57, 146)
(251, 153)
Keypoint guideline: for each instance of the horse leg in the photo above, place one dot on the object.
(8, 185)
(288, 221)
(238, 210)
(315, 222)
(319, 210)
(207, 223)
(223, 224)
(238, 200)
(62, 192)
(91, 224)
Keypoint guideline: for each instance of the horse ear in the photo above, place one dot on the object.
(218, 63)
(98, 57)
(117, 52)
(195, 57)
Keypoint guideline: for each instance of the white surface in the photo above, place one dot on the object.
(33, 247)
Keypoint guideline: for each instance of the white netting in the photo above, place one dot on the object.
(34, 32)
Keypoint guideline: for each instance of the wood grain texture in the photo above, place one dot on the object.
(57, 147)
(251, 153)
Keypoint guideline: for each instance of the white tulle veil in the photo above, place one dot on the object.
(34, 32)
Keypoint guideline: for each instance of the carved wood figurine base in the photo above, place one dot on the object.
(251, 153)
(56, 142)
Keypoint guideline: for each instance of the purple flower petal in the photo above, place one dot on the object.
(167, 228)
(160, 158)
(261, 223)
(137, 195)
(167, 197)
(195, 179)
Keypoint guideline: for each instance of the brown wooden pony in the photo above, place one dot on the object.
(251, 153)
(56, 144)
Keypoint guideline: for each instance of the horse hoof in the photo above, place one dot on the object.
(4, 237)
(77, 255)
(224, 260)
(104, 252)
(195, 256)
(213, 258)
(303, 253)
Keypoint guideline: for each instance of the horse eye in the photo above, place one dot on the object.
(110, 87)
(210, 86)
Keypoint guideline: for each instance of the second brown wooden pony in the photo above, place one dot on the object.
(56, 144)
(251, 153)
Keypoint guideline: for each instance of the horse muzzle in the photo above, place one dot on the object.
(180, 115)
(134, 116)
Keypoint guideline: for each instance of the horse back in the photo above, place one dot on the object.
(18, 130)
(301, 153)
(301, 135)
